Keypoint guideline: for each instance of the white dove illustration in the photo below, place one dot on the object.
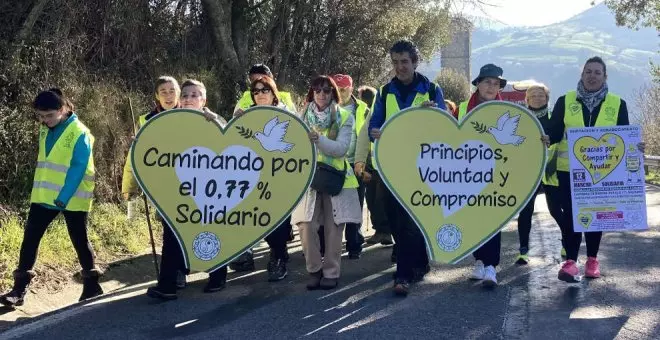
(505, 132)
(272, 138)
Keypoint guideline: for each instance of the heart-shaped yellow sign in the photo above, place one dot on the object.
(599, 156)
(462, 182)
(223, 190)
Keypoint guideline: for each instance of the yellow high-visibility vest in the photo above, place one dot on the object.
(573, 117)
(339, 163)
(51, 170)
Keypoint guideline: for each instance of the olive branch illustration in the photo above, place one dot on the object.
(481, 128)
(245, 132)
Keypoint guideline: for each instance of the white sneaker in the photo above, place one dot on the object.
(478, 271)
(490, 277)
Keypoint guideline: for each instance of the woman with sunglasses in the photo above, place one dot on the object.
(332, 128)
(263, 91)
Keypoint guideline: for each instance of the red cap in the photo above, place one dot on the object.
(343, 80)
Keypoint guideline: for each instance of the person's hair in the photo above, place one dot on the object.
(367, 94)
(267, 82)
(598, 60)
(538, 86)
(406, 46)
(164, 80)
(193, 82)
(260, 69)
(52, 99)
(319, 82)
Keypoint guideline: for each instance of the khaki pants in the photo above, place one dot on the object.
(330, 262)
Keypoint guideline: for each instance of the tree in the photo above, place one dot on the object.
(453, 85)
(636, 13)
(648, 101)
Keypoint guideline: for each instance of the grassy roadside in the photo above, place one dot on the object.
(112, 235)
(653, 177)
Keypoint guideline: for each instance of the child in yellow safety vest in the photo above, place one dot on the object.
(63, 183)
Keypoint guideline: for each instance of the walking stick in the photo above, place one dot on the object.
(146, 203)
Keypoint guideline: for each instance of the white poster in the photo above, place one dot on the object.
(607, 179)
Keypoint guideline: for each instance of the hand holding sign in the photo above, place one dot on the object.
(223, 190)
(461, 182)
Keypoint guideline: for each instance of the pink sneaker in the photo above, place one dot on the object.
(569, 272)
(591, 269)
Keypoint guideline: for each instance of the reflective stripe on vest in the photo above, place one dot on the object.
(462, 110)
(392, 108)
(50, 174)
(573, 117)
(339, 163)
(246, 101)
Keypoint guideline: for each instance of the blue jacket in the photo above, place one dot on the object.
(81, 152)
(421, 85)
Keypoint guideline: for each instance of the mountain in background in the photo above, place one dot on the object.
(554, 54)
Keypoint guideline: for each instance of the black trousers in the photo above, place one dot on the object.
(552, 199)
(171, 259)
(489, 252)
(38, 220)
(376, 197)
(572, 240)
(352, 232)
(278, 238)
(411, 248)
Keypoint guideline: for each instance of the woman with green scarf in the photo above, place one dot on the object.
(332, 128)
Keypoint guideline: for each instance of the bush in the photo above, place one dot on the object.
(112, 235)
(454, 85)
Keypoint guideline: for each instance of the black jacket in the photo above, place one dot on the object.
(556, 128)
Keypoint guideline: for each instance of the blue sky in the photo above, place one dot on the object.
(530, 12)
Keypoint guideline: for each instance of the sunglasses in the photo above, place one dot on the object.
(325, 90)
(263, 90)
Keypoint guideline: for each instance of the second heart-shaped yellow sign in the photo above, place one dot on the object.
(223, 190)
(462, 182)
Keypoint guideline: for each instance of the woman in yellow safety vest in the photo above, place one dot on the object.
(332, 128)
(537, 97)
(591, 104)
(167, 93)
(489, 82)
(263, 91)
(63, 183)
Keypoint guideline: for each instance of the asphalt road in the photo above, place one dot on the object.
(528, 303)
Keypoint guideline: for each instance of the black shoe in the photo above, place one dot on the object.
(217, 281)
(244, 263)
(401, 287)
(160, 293)
(328, 284)
(16, 297)
(386, 240)
(180, 280)
(91, 287)
(314, 281)
(353, 256)
(375, 239)
(419, 273)
(276, 270)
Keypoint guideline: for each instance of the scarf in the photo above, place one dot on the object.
(321, 120)
(540, 112)
(475, 100)
(591, 99)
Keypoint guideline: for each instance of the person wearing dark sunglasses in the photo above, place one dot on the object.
(247, 100)
(407, 89)
(332, 127)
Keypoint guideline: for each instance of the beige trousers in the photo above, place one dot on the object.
(330, 262)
